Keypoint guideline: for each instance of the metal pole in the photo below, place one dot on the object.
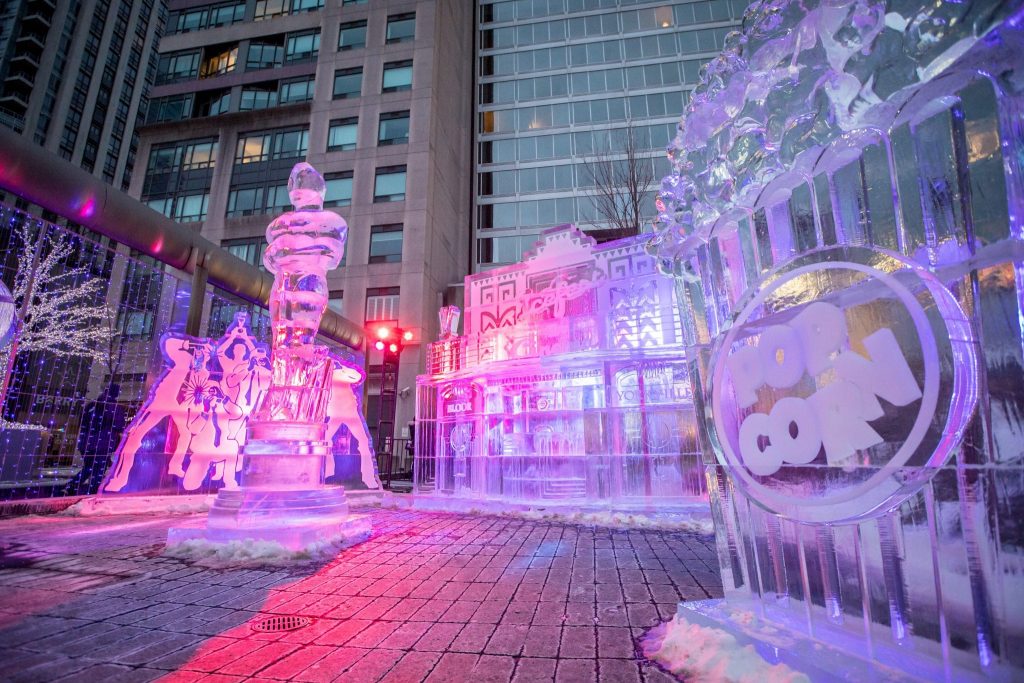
(196, 299)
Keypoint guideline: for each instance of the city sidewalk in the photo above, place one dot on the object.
(430, 597)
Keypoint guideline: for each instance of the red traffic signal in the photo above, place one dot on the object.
(391, 339)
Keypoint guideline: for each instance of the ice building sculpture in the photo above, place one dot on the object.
(844, 223)
(282, 496)
(188, 435)
(569, 386)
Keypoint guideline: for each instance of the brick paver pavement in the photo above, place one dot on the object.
(430, 597)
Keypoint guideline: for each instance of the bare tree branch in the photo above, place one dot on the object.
(622, 181)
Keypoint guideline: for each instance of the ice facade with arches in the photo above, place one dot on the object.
(568, 388)
(843, 222)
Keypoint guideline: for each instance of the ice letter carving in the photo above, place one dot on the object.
(836, 416)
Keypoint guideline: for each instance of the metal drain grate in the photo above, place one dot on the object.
(281, 623)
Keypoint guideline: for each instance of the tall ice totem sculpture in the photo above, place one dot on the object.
(844, 225)
(282, 497)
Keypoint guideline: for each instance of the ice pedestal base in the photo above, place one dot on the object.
(282, 499)
(834, 653)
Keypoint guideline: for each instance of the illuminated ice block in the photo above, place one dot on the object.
(282, 496)
(569, 387)
(843, 222)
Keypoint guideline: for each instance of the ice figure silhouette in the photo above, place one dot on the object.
(343, 411)
(163, 403)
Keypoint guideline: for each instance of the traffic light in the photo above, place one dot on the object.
(391, 340)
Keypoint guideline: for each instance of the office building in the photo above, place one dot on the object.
(376, 95)
(75, 77)
(561, 83)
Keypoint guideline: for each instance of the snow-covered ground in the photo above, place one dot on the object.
(703, 654)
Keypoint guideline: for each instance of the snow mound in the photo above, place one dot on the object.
(710, 655)
(98, 506)
(250, 552)
(620, 520)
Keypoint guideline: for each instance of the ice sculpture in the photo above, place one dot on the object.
(195, 416)
(282, 496)
(844, 225)
(568, 388)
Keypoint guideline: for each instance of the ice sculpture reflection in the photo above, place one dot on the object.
(844, 221)
(282, 495)
(568, 388)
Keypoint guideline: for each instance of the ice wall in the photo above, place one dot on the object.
(844, 225)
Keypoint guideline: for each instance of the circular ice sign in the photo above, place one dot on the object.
(845, 382)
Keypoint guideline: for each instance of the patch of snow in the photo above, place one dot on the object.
(621, 520)
(251, 552)
(97, 506)
(709, 655)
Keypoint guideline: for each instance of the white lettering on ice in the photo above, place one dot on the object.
(836, 416)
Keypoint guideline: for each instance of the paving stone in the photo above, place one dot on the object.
(435, 597)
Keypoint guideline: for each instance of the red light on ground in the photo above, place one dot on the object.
(379, 346)
(407, 336)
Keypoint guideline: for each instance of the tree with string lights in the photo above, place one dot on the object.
(61, 309)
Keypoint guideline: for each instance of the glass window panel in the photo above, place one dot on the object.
(253, 148)
(302, 46)
(342, 134)
(504, 215)
(400, 28)
(393, 129)
(397, 76)
(352, 35)
(348, 83)
(245, 202)
(389, 185)
(338, 189)
(385, 244)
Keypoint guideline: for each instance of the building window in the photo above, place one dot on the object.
(386, 243)
(266, 145)
(258, 200)
(190, 155)
(381, 303)
(342, 134)
(250, 250)
(264, 56)
(213, 103)
(297, 90)
(184, 208)
(345, 3)
(389, 184)
(397, 76)
(393, 128)
(265, 9)
(219, 61)
(352, 35)
(172, 108)
(177, 66)
(348, 83)
(258, 97)
(183, 21)
(339, 189)
(302, 46)
(245, 202)
(336, 301)
(401, 27)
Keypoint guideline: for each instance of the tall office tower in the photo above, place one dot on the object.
(562, 86)
(377, 95)
(75, 77)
